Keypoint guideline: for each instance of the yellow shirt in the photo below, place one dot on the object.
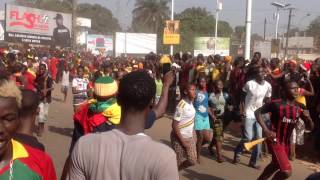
(216, 74)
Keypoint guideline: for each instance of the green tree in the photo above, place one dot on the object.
(314, 31)
(51, 5)
(102, 20)
(149, 15)
(197, 22)
(239, 33)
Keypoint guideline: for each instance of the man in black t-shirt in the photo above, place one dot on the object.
(44, 86)
(61, 34)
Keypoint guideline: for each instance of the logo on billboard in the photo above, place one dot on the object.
(28, 20)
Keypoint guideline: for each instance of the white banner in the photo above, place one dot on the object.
(135, 43)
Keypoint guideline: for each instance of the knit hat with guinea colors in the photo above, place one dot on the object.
(105, 87)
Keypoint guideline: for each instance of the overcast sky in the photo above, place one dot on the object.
(233, 11)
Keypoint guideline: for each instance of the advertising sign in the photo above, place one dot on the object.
(171, 33)
(135, 43)
(205, 46)
(36, 26)
(83, 22)
(264, 47)
(102, 42)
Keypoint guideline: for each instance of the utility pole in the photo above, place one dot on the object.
(172, 18)
(219, 8)
(248, 29)
(264, 29)
(74, 24)
(287, 35)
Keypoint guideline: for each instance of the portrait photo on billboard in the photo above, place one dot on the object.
(61, 34)
(172, 27)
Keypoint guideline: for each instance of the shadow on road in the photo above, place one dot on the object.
(62, 131)
(193, 175)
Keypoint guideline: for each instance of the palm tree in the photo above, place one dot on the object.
(148, 15)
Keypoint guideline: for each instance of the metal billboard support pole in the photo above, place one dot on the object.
(172, 18)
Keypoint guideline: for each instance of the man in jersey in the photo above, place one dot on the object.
(285, 114)
(256, 92)
(18, 161)
(61, 34)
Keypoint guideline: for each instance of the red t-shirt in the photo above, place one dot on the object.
(29, 78)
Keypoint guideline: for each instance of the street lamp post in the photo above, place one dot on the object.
(279, 7)
(219, 8)
(248, 29)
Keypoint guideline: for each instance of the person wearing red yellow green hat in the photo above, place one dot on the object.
(99, 114)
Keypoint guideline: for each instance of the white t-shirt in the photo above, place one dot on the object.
(255, 94)
(65, 78)
(185, 114)
(80, 84)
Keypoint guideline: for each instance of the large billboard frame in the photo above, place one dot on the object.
(37, 26)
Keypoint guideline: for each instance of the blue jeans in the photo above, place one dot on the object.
(251, 131)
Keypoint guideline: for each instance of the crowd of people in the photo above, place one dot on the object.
(116, 99)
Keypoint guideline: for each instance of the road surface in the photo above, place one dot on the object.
(59, 130)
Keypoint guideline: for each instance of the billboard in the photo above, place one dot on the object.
(171, 33)
(83, 22)
(264, 47)
(101, 42)
(135, 43)
(205, 46)
(37, 26)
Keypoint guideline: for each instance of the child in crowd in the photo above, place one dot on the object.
(219, 102)
(183, 138)
(202, 124)
(65, 82)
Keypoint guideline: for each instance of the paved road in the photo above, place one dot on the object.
(59, 129)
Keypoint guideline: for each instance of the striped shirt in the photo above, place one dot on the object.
(185, 114)
(284, 118)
